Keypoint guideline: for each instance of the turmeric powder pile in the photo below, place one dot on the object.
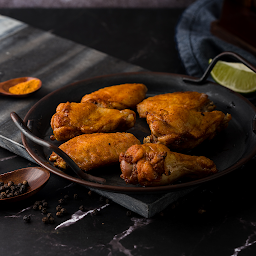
(25, 87)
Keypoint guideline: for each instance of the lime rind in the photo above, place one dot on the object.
(235, 76)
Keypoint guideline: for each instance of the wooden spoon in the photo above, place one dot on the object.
(4, 86)
(36, 177)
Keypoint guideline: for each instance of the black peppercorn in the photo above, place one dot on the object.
(35, 207)
(45, 204)
(61, 201)
(45, 220)
(51, 220)
(63, 210)
(58, 214)
(37, 203)
(1, 183)
(44, 210)
(3, 195)
(10, 183)
(75, 196)
(16, 193)
(25, 182)
(49, 215)
(10, 194)
(128, 213)
(58, 208)
(107, 201)
(27, 218)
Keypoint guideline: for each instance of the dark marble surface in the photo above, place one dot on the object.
(218, 218)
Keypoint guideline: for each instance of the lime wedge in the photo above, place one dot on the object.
(235, 76)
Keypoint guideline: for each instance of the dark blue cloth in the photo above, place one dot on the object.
(195, 43)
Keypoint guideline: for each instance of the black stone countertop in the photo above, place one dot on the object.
(218, 218)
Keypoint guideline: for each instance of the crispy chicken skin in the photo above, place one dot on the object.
(183, 129)
(91, 151)
(118, 96)
(72, 119)
(190, 100)
(154, 164)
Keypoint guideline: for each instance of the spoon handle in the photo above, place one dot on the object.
(25, 130)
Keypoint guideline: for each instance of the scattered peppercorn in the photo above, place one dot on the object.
(128, 213)
(45, 220)
(58, 208)
(63, 210)
(49, 215)
(75, 196)
(44, 210)
(27, 218)
(101, 198)
(51, 220)
(45, 204)
(61, 201)
(35, 207)
(107, 201)
(59, 214)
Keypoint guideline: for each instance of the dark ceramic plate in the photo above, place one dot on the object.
(229, 150)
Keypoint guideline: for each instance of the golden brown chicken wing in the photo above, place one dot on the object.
(91, 151)
(72, 119)
(190, 100)
(154, 164)
(183, 129)
(118, 96)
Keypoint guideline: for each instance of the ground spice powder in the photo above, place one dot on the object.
(25, 87)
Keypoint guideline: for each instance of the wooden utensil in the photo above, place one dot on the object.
(4, 86)
(36, 177)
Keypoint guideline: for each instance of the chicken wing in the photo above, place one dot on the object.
(72, 119)
(118, 96)
(183, 129)
(91, 151)
(154, 164)
(190, 100)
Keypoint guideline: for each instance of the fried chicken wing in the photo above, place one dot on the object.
(183, 129)
(72, 119)
(118, 96)
(154, 164)
(91, 151)
(190, 100)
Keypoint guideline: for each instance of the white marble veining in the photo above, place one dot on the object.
(78, 215)
(251, 239)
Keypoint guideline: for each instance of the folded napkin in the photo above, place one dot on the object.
(195, 43)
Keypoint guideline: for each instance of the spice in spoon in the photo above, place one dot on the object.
(25, 87)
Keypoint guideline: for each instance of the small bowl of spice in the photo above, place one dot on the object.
(20, 87)
(20, 184)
